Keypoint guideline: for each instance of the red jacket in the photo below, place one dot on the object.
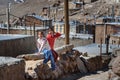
(51, 39)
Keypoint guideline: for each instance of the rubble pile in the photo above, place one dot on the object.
(31, 66)
(70, 61)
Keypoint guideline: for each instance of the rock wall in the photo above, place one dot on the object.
(12, 69)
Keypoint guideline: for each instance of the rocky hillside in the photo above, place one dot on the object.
(4, 2)
(98, 8)
(28, 7)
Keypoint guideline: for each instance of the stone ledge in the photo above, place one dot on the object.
(12, 68)
(36, 56)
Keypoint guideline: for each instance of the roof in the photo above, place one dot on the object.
(27, 28)
(78, 2)
(62, 23)
(39, 17)
(116, 35)
(109, 23)
(113, 23)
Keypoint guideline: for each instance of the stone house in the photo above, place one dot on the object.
(75, 27)
(112, 29)
(60, 27)
(38, 20)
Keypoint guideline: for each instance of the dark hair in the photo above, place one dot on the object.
(51, 29)
(41, 33)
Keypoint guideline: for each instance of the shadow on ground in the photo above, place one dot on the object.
(78, 76)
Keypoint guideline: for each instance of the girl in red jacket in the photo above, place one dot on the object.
(51, 36)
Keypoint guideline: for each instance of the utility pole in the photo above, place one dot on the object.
(113, 13)
(119, 42)
(107, 44)
(8, 17)
(49, 12)
(24, 18)
(101, 49)
(49, 16)
(34, 28)
(66, 14)
(93, 28)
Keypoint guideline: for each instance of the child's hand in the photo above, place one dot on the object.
(38, 53)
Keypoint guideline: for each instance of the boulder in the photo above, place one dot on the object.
(116, 66)
(12, 68)
(112, 75)
(81, 66)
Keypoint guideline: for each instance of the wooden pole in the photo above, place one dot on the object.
(34, 28)
(119, 42)
(107, 44)
(25, 25)
(94, 28)
(30, 30)
(112, 13)
(101, 46)
(8, 20)
(101, 49)
(105, 33)
(49, 12)
(66, 14)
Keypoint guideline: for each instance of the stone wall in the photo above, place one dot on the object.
(101, 32)
(17, 46)
(12, 69)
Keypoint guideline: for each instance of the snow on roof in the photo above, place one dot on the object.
(40, 17)
(72, 23)
(78, 2)
(93, 49)
(116, 35)
(113, 23)
(27, 28)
